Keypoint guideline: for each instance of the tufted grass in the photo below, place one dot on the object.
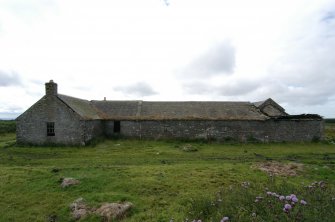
(162, 180)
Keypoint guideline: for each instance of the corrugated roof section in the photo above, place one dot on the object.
(81, 107)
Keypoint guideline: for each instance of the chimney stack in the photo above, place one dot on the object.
(51, 88)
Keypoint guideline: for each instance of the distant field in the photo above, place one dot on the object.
(330, 120)
(166, 180)
(330, 129)
(7, 126)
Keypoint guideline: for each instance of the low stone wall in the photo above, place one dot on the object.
(266, 131)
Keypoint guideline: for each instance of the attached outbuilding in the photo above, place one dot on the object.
(60, 119)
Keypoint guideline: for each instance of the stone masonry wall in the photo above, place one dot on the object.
(32, 125)
(93, 129)
(270, 130)
(295, 130)
(271, 111)
(109, 128)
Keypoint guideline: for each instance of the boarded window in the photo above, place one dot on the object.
(50, 129)
(117, 126)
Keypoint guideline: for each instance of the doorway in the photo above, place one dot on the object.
(117, 127)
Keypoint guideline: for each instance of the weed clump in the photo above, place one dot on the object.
(275, 202)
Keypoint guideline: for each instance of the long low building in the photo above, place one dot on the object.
(65, 120)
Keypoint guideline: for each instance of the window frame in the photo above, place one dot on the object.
(50, 128)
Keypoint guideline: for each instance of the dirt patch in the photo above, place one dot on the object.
(280, 169)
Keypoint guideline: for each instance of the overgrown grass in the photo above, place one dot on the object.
(257, 202)
(163, 180)
(167, 179)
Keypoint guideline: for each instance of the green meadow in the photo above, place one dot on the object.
(170, 180)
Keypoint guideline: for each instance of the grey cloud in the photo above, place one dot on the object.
(8, 115)
(10, 111)
(9, 79)
(237, 88)
(328, 17)
(219, 59)
(198, 88)
(306, 75)
(137, 89)
(231, 88)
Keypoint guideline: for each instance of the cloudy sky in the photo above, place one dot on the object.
(169, 50)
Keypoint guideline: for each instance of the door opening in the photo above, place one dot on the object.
(117, 127)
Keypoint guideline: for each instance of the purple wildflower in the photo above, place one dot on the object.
(288, 198)
(281, 198)
(295, 199)
(287, 207)
(269, 193)
(224, 219)
(303, 202)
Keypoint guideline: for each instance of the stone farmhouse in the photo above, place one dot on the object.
(60, 119)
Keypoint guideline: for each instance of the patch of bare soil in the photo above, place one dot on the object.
(280, 169)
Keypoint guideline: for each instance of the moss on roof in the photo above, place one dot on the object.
(81, 107)
(143, 110)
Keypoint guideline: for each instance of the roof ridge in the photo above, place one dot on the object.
(72, 97)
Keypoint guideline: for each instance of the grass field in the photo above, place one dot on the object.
(165, 182)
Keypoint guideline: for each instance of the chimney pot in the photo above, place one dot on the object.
(51, 88)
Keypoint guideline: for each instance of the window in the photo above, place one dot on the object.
(117, 126)
(50, 129)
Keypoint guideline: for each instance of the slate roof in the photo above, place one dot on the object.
(80, 106)
(268, 101)
(117, 109)
(201, 111)
(143, 110)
